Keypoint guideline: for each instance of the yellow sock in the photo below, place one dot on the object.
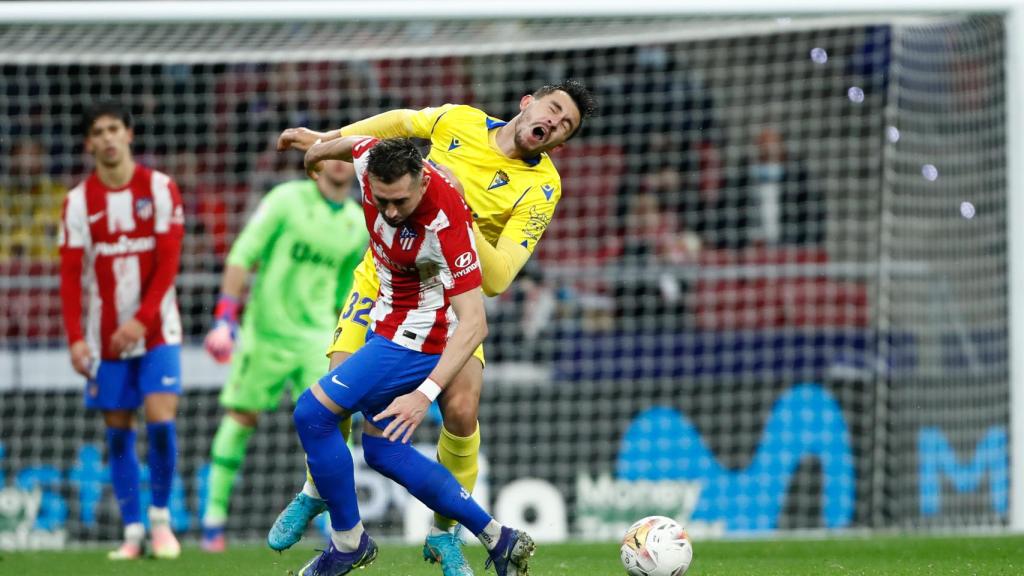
(346, 430)
(459, 455)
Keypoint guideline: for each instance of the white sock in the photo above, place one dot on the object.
(159, 517)
(310, 490)
(491, 534)
(213, 521)
(348, 541)
(134, 533)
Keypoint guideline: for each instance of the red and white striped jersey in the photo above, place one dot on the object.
(128, 241)
(421, 264)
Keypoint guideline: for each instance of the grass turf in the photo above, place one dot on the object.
(889, 556)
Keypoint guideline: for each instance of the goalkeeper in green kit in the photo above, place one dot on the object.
(306, 237)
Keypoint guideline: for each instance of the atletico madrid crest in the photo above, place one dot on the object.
(406, 238)
(144, 208)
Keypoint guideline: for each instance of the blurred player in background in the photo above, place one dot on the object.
(306, 238)
(427, 321)
(123, 227)
(512, 188)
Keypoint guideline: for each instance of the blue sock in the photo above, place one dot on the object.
(425, 479)
(161, 456)
(328, 458)
(124, 473)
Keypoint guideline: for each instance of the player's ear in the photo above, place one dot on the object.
(525, 101)
(131, 135)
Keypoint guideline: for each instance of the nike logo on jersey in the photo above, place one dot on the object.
(93, 218)
(500, 179)
(455, 144)
(168, 380)
(334, 378)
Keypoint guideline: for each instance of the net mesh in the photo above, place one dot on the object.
(774, 287)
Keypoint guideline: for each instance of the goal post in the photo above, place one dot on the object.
(784, 268)
(1015, 184)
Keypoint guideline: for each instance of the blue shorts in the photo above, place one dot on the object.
(376, 374)
(122, 384)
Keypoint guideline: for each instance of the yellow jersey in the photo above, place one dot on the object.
(509, 197)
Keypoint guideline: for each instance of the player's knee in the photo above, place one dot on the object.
(310, 416)
(119, 419)
(160, 407)
(247, 419)
(374, 459)
(460, 415)
(383, 456)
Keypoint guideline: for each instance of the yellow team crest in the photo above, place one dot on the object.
(499, 180)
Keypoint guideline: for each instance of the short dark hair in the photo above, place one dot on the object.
(580, 94)
(103, 108)
(393, 158)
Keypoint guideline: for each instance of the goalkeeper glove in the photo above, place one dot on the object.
(220, 340)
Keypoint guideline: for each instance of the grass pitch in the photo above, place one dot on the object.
(888, 556)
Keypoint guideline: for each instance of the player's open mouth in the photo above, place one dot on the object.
(539, 133)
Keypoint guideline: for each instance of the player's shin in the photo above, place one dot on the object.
(425, 479)
(161, 456)
(329, 460)
(124, 473)
(309, 488)
(459, 455)
(226, 457)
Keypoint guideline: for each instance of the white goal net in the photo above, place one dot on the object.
(774, 293)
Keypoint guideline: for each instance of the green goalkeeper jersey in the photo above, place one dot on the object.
(305, 249)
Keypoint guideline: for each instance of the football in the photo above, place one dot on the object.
(656, 546)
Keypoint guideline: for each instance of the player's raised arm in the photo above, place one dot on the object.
(337, 149)
(400, 123)
(303, 138)
(391, 124)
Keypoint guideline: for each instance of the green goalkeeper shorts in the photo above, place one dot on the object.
(261, 369)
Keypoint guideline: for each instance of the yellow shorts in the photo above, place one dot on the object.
(354, 321)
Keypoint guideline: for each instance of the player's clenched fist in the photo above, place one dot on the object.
(299, 138)
(220, 340)
(220, 343)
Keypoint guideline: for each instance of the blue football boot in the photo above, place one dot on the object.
(292, 521)
(447, 550)
(512, 553)
(333, 562)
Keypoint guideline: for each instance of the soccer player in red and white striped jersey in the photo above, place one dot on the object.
(427, 320)
(413, 309)
(122, 227)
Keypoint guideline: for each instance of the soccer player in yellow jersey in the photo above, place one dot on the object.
(512, 188)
